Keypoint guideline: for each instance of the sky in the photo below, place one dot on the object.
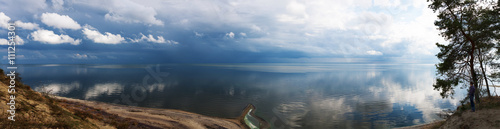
(219, 31)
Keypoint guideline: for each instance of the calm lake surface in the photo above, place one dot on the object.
(315, 96)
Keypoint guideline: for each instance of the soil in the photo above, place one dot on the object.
(160, 118)
(481, 119)
(487, 116)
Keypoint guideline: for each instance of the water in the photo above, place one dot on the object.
(289, 95)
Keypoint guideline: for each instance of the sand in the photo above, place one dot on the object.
(481, 119)
(162, 118)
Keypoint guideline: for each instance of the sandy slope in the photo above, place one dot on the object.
(481, 119)
(163, 118)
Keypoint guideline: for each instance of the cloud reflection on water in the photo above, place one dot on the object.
(103, 89)
(302, 96)
(372, 100)
(59, 88)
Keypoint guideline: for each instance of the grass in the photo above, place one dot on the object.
(486, 103)
(490, 102)
(30, 111)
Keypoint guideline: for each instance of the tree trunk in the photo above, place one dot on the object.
(473, 72)
(475, 82)
(471, 54)
(484, 73)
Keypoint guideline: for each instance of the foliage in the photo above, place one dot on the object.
(471, 27)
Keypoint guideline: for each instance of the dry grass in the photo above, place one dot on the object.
(34, 110)
(487, 115)
(486, 103)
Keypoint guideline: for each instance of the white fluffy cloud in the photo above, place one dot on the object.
(230, 35)
(150, 38)
(4, 42)
(26, 25)
(171, 42)
(83, 56)
(296, 13)
(96, 36)
(4, 23)
(4, 20)
(373, 52)
(59, 21)
(49, 37)
(120, 11)
(19, 41)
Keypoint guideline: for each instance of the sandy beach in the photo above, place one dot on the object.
(160, 118)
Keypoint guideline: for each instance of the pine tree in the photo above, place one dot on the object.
(471, 27)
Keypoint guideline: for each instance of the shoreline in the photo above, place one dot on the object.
(159, 118)
(486, 116)
(431, 125)
(177, 118)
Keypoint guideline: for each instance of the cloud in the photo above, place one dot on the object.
(49, 37)
(57, 4)
(19, 41)
(28, 6)
(82, 56)
(26, 25)
(172, 42)
(373, 52)
(4, 23)
(4, 20)
(296, 8)
(256, 28)
(4, 42)
(387, 3)
(296, 13)
(199, 35)
(230, 35)
(59, 21)
(96, 36)
(150, 38)
(279, 30)
(120, 11)
(422, 36)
